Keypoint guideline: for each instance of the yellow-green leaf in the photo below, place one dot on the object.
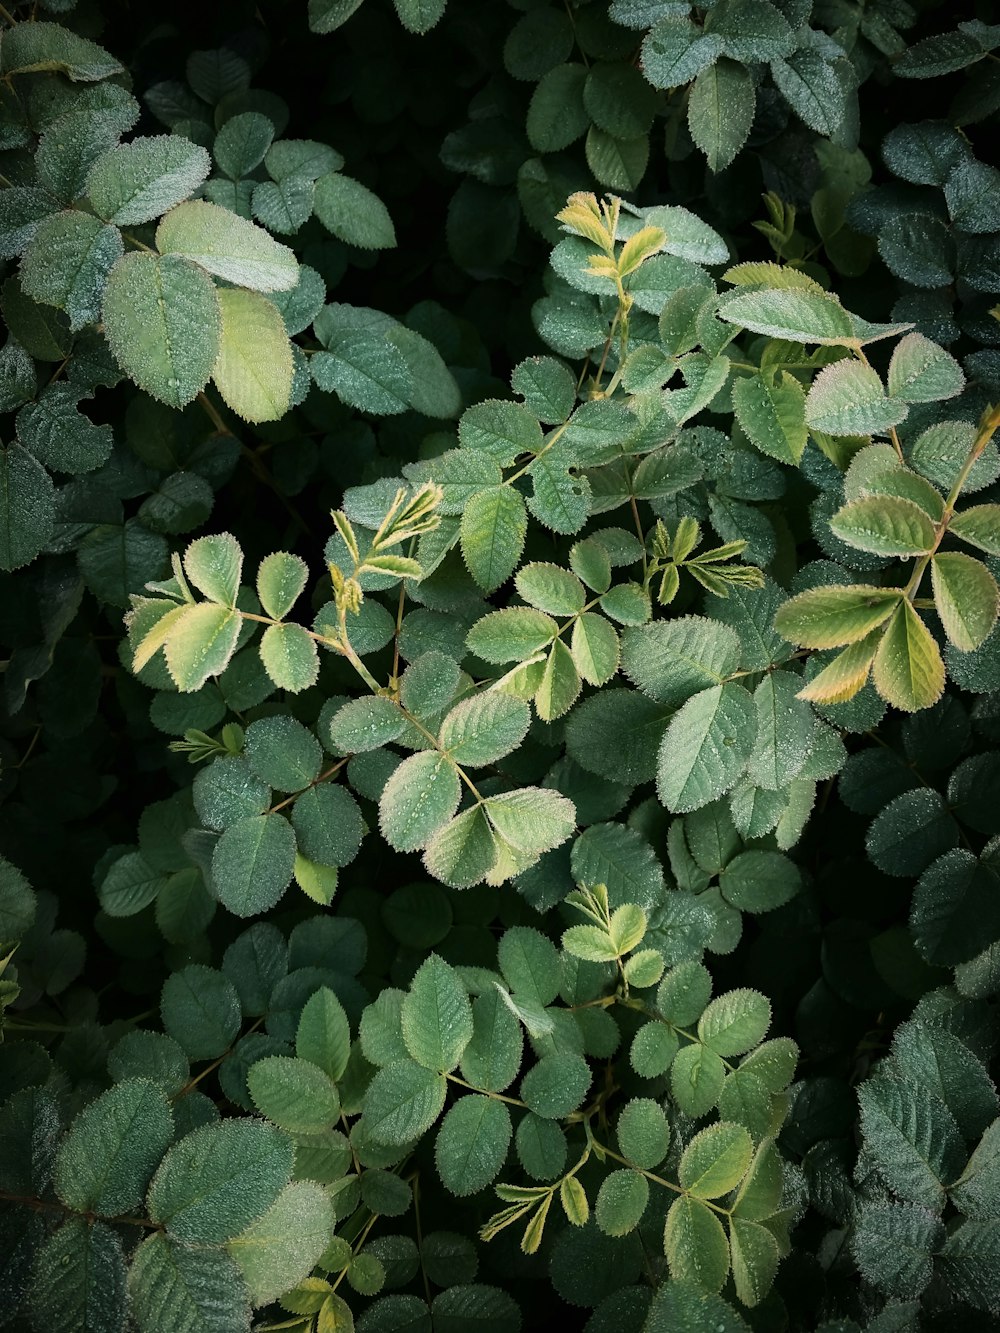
(254, 369)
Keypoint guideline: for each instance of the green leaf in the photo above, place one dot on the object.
(464, 851)
(112, 1149)
(180, 1287)
(796, 316)
(138, 181)
(38, 47)
(227, 245)
(968, 1262)
(290, 657)
(254, 370)
(130, 885)
(848, 398)
(911, 1136)
(977, 1191)
(697, 1075)
(162, 320)
(556, 114)
(836, 614)
(813, 89)
(643, 1132)
(217, 1180)
(955, 907)
(695, 1245)
(755, 1258)
(771, 413)
(560, 683)
(594, 647)
(591, 943)
(281, 1248)
(252, 864)
(979, 526)
(884, 525)
(705, 747)
(367, 371)
(493, 1057)
(419, 16)
(501, 430)
(201, 1010)
(715, 1161)
(556, 1085)
(323, 1036)
(493, 529)
(201, 643)
(621, 1202)
(759, 881)
(721, 108)
(551, 588)
(532, 819)
(436, 1016)
(472, 1144)
(547, 387)
(735, 1022)
(296, 1094)
(675, 51)
(482, 729)
(327, 15)
(352, 213)
(68, 262)
(242, 143)
(965, 598)
(79, 1280)
(366, 724)
(908, 671)
(27, 507)
(922, 372)
(675, 659)
(785, 731)
(894, 1245)
(420, 797)
(281, 579)
(402, 1102)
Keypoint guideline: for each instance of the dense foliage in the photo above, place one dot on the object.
(500, 521)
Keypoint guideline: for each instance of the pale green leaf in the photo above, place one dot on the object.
(281, 1248)
(201, 643)
(695, 1244)
(715, 1161)
(908, 671)
(848, 398)
(965, 598)
(290, 657)
(771, 413)
(227, 245)
(836, 614)
(253, 372)
(922, 372)
(884, 525)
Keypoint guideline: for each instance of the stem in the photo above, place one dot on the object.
(657, 1180)
(497, 1096)
(54, 1206)
(353, 658)
(323, 777)
(193, 1082)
